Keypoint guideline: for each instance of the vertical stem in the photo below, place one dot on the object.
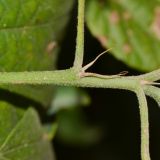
(80, 36)
(145, 155)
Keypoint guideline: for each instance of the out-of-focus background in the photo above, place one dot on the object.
(108, 127)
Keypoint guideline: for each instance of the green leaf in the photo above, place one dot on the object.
(30, 31)
(21, 135)
(130, 27)
(50, 130)
(73, 128)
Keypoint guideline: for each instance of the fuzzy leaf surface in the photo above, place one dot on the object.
(30, 31)
(22, 136)
(130, 28)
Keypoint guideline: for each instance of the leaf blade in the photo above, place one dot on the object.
(116, 25)
(29, 35)
(25, 140)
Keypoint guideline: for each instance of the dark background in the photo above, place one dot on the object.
(115, 111)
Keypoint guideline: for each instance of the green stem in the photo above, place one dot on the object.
(69, 78)
(80, 37)
(145, 155)
(153, 92)
(65, 77)
(152, 76)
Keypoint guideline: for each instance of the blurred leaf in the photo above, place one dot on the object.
(68, 97)
(50, 130)
(29, 37)
(74, 130)
(22, 136)
(130, 27)
(72, 126)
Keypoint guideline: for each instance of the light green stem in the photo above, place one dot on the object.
(65, 77)
(80, 37)
(145, 155)
(153, 92)
(69, 78)
(152, 76)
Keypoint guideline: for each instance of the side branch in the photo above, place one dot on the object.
(69, 78)
(145, 155)
(153, 92)
(80, 37)
(152, 76)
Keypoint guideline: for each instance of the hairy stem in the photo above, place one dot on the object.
(152, 76)
(69, 78)
(153, 92)
(145, 155)
(80, 36)
(65, 77)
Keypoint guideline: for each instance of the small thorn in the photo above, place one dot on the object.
(92, 62)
